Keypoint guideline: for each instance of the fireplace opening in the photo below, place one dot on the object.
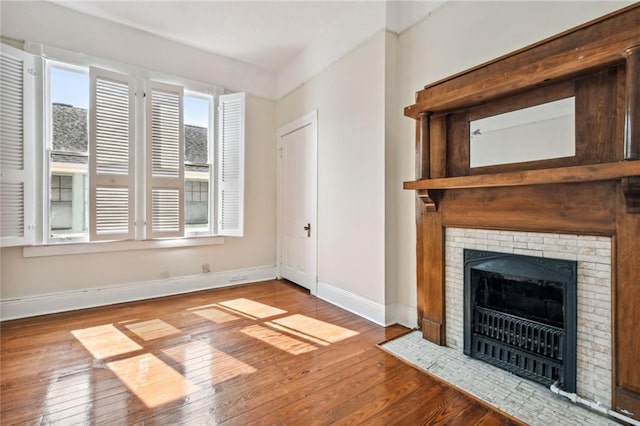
(520, 315)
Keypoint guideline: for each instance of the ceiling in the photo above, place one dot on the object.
(267, 34)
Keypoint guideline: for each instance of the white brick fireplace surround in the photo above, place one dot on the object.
(593, 255)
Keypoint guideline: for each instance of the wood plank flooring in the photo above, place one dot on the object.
(266, 353)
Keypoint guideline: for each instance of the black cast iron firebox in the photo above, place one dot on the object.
(520, 315)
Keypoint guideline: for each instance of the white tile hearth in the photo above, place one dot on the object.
(521, 398)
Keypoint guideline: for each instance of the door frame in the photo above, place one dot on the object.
(310, 119)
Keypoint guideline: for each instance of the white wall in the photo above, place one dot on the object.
(337, 40)
(455, 37)
(349, 97)
(50, 24)
(345, 34)
(395, 311)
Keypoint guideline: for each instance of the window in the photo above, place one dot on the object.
(198, 162)
(67, 152)
(61, 209)
(196, 198)
(61, 188)
(127, 157)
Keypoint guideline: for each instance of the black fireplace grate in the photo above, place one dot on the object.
(525, 334)
(524, 347)
(520, 314)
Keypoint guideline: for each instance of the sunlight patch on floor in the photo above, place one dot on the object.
(203, 362)
(105, 341)
(152, 329)
(151, 380)
(315, 329)
(215, 313)
(286, 330)
(278, 340)
(252, 308)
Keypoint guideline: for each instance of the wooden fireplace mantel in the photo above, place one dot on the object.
(586, 173)
(594, 192)
(626, 171)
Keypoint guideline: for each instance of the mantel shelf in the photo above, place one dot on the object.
(574, 174)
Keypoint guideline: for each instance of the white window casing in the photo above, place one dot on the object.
(17, 221)
(136, 143)
(111, 153)
(210, 177)
(164, 160)
(230, 164)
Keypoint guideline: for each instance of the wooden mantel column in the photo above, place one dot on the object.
(423, 159)
(429, 246)
(422, 147)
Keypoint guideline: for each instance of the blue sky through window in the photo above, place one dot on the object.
(196, 111)
(69, 87)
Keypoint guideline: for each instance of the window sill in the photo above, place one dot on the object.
(63, 249)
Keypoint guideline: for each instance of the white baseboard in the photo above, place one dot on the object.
(399, 313)
(72, 300)
(351, 302)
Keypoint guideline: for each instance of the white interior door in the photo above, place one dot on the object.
(297, 201)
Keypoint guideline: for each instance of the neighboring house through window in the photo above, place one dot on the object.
(61, 202)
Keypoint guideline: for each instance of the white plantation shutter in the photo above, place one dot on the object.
(16, 150)
(230, 164)
(111, 141)
(165, 160)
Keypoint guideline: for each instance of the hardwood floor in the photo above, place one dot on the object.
(266, 353)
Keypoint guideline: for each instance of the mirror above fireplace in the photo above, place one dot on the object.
(539, 132)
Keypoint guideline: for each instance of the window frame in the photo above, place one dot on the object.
(47, 151)
(142, 81)
(46, 245)
(211, 159)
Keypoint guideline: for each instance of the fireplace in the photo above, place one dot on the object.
(584, 207)
(520, 315)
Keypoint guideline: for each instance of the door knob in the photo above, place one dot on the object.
(308, 229)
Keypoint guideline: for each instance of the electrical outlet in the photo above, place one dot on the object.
(205, 268)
